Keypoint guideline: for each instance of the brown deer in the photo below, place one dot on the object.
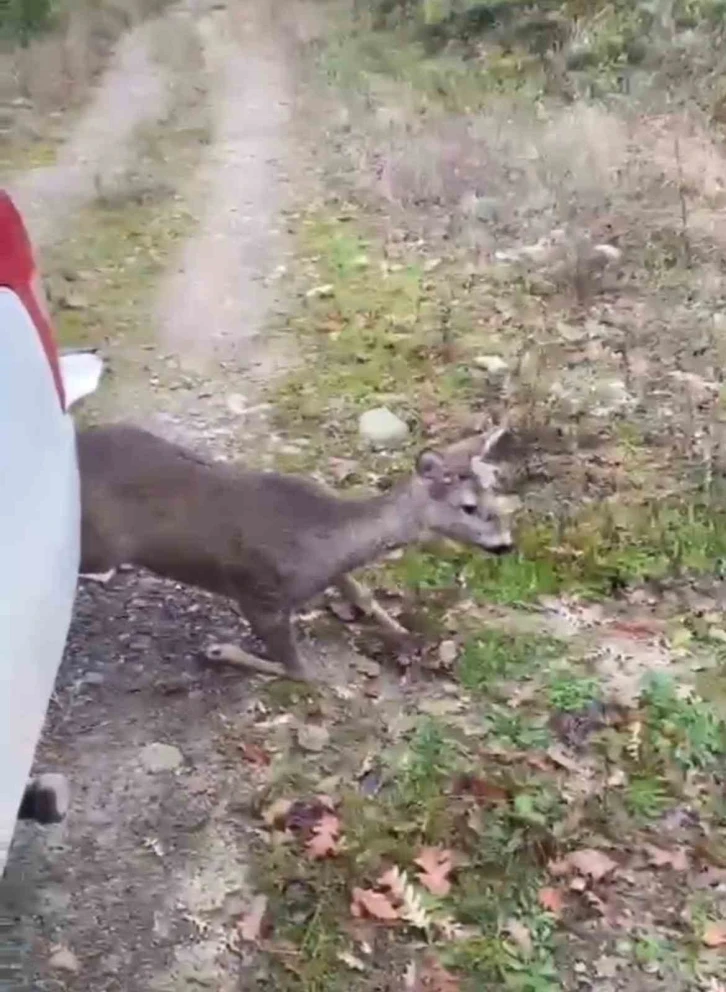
(269, 541)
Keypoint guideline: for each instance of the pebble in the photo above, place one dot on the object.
(312, 737)
(159, 757)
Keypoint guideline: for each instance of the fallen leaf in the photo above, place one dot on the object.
(481, 789)
(435, 978)
(587, 861)
(676, 859)
(367, 902)
(551, 899)
(436, 863)
(250, 925)
(325, 840)
(639, 630)
(714, 934)
(254, 753)
(520, 935)
(276, 814)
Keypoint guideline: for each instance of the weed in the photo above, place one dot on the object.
(571, 694)
(683, 729)
(646, 797)
(517, 731)
(494, 654)
(428, 760)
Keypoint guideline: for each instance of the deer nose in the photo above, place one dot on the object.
(501, 549)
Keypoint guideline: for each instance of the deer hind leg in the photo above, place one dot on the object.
(276, 631)
(366, 602)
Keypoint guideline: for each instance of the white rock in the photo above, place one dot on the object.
(381, 428)
(63, 959)
(159, 757)
(493, 364)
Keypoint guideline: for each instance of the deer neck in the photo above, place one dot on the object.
(372, 527)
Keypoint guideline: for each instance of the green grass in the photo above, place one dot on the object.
(491, 655)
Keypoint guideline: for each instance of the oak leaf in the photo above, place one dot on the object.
(436, 864)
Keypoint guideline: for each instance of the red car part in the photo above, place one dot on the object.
(18, 273)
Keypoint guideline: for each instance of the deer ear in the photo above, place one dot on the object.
(493, 443)
(430, 465)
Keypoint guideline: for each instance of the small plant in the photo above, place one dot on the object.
(496, 654)
(646, 797)
(571, 694)
(514, 730)
(684, 729)
(428, 760)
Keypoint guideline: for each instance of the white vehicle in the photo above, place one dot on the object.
(39, 521)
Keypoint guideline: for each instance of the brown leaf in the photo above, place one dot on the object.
(436, 863)
(250, 926)
(276, 814)
(435, 978)
(551, 899)
(714, 934)
(325, 840)
(660, 858)
(393, 880)
(520, 935)
(367, 902)
(482, 790)
(587, 861)
(254, 753)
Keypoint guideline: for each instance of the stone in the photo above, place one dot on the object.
(382, 429)
(312, 737)
(63, 959)
(159, 757)
(493, 364)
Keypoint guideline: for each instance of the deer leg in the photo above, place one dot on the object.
(366, 602)
(278, 634)
(276, 631)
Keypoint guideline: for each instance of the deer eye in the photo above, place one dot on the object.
(469, 508)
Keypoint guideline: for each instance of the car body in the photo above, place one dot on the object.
(39, 510)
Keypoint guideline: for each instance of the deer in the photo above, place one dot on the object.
(270, 541)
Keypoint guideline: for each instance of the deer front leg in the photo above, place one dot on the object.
(366, 602)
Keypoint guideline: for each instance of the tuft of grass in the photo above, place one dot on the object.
(491, 655)
(682, 729)
(572, 694)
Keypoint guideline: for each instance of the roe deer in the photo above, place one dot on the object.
(270, 541)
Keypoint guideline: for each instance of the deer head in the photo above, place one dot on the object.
(460, 500)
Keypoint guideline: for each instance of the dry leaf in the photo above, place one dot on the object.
(714, 934)
(435, 978)
(594, 864)
(367, 902)
(250, 925)
(660, 858)
(325, 840)
(551, 899)
(254, 753)
(520, 935)
(436, 864)
(276, 814)
(482, 790)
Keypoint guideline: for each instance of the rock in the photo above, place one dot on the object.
(381, 428)
(159, 757)
(366, 666)
(312, 737)
(448, 653)
(492, 364)
(63, 959)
